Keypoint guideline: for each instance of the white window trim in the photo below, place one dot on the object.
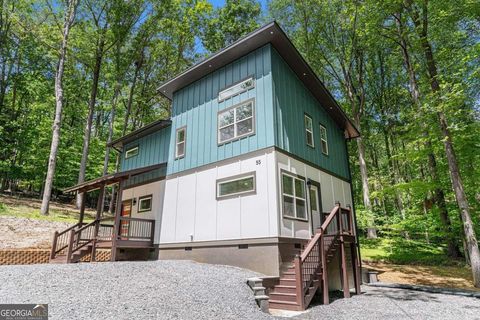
(143, 198)
(308, 131)
(294, 196)
(235, 178)
(184, 129)
(323, 128)
(234, 86)
(131, 150)
(235, 136)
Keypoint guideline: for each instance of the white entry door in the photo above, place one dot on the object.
(315, 208)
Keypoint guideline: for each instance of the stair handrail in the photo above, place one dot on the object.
(317, 240)
(320, 232)
(57, 235)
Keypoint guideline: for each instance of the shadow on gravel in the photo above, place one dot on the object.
(403, 295)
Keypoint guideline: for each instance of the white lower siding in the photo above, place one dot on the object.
(192, 212)
(332, 190)
(156, 189)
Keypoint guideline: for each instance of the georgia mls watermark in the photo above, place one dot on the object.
(23, 311)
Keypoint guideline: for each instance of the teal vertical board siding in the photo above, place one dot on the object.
(196, 106)
(146, 177)
(291, 100)
(152, 149)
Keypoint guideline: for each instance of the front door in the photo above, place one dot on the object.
(126, 212)
(315, 208)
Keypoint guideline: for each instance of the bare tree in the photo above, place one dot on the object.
(68, 22)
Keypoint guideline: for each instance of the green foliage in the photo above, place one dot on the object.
(397, 250)
(354, 47)
(229, 23)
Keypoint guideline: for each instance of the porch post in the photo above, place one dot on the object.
(82, 208)
(343, 260)
(97, 220)
(116, 224)
(356, 269)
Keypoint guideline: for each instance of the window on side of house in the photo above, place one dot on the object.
(236, 122)
(235, 186)
(236, 89)
(131, 152)
(294, 197)
(180, 140)
(309, 131)
(324, 139)
(145, 203)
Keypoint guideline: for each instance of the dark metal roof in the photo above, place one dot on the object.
(270, 33)
(149, 128)
(111, 179)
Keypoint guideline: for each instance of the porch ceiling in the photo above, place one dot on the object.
(111, 179)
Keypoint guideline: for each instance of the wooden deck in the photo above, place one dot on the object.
(81, 239)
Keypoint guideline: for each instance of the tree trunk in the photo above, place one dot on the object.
(69, 18)
(439, 196)
(91, 110)
(138, 65)
(371, 230)
(421, 25)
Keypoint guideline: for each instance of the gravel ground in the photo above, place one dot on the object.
(133, 290)
(189, 290)
(386, 303)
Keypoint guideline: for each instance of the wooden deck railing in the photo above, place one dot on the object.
(136, 229)
(313, 260)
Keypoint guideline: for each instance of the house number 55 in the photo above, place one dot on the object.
(259, 162)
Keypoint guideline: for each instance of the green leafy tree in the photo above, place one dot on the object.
(230, 22)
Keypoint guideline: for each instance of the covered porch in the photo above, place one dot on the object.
(119, 233)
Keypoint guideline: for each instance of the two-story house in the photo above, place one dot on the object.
(247, 171)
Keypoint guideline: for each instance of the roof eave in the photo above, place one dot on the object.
(117, 144)
(258, 38)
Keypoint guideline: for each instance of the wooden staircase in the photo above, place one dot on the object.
(80, 240)
(308, 271)
(75, 257)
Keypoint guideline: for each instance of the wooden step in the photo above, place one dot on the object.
(59, 259)
(288, 275)
(285, 289)
(283, 305)
(280, 296)
(287, 282)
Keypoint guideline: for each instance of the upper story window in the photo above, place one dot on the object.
(294, 197)
(324, 139)
(131, 152)
(180, 140)
(236, 122)
(309, 131)
(238, 88)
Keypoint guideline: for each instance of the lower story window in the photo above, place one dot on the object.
(145, 203)
(293, 197)
(237, 185)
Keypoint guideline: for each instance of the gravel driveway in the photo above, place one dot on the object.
(189, 290)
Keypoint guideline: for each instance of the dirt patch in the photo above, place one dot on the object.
(437, 276)
(18, 232)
